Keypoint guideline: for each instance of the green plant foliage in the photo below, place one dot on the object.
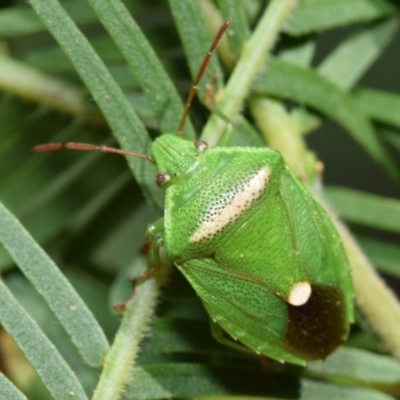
(72, 224)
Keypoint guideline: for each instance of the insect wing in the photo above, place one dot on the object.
(288, 242)
(316, 241)
(244, 307)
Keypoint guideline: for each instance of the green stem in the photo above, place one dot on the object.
(281, 133)
(373, 297)
(119, 361)
(30, 84)
(253, 57)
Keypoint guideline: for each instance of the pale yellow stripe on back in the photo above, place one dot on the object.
(241, 201)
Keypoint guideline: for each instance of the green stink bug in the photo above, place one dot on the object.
(260, 252)
(262, 255)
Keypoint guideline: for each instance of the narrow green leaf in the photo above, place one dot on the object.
(58, 378)
(68, 307)
(385, 255)
(391, 135)
(35, 306)
(8, 390)
(33, 85)
(359, 367)
(27, 188)
(125, 124)
(317, 15)
(38, 197)
(124, 241)
(299, 51)
(305, 120)
(350, 60)
(53, 201)
(53, 59)
(173, 380)
(182, 335)
(379, 105)
(19, 21)
(365, 208)
(56, 187)
(156, 84)
(312, 390)
(239, 32)
(88, 212)
(304, 85)
(347, 63)
(239, 397)
(195, 39)
(166, 380)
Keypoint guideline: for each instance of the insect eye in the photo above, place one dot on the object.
(162, 178)
(200, 145)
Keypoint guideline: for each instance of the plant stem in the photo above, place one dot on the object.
(280, 132)
(253, 56)
(373, 297)
(119, 360)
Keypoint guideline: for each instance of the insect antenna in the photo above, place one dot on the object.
(113, 150)
(89, 147)
(200, 74)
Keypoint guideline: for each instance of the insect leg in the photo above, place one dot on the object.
(220, 336)
(152, 249)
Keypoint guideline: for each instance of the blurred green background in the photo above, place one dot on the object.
(90, 215)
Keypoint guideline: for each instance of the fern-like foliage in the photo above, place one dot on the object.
(114, 72)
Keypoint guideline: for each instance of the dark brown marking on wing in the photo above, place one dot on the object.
(316, 328)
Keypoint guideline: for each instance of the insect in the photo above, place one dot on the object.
(260, 252)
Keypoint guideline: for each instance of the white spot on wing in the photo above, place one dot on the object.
(299, 293)
(221, 217)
